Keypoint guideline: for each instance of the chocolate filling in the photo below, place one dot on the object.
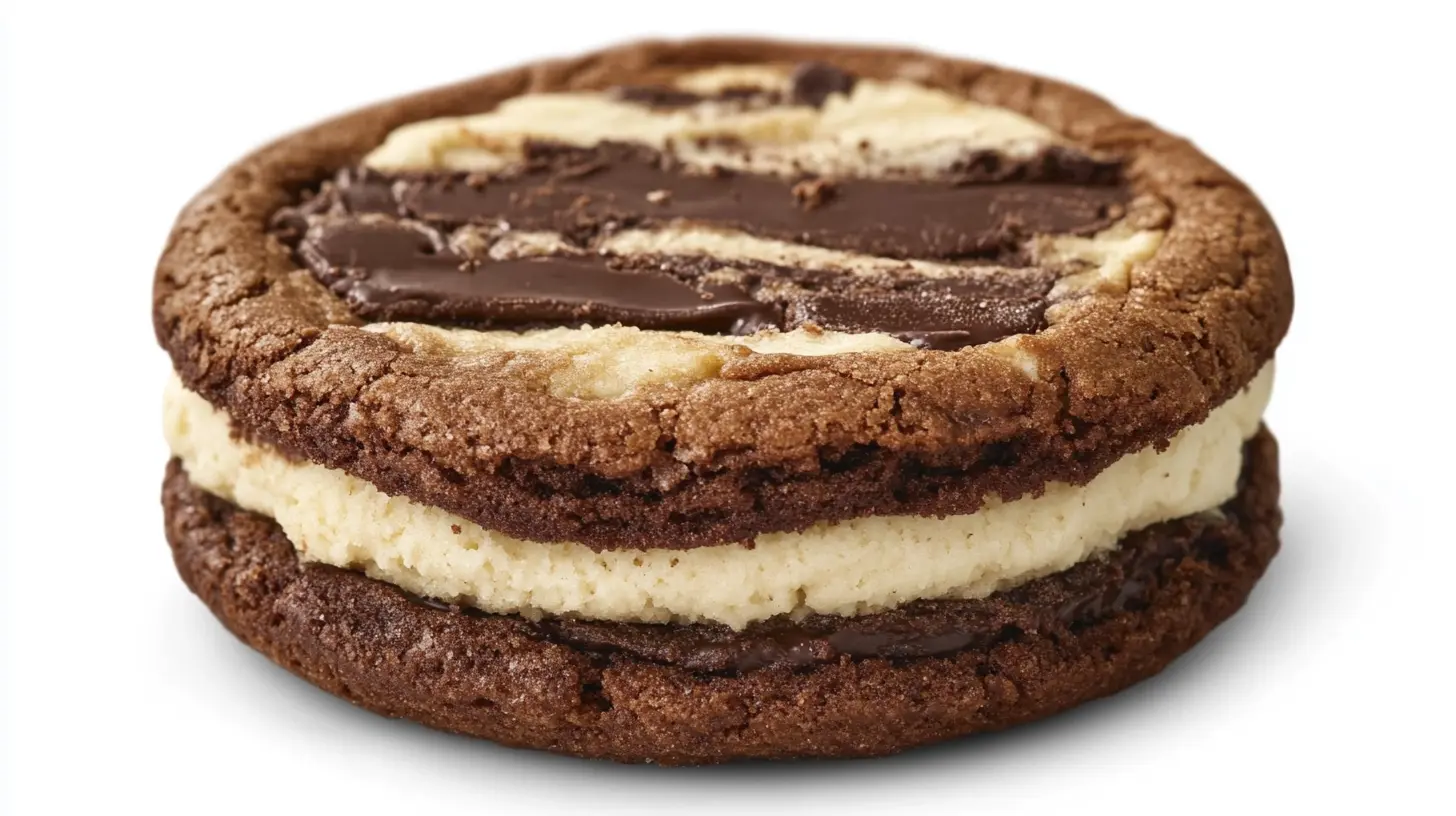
(984, 211)
(410, 274)
(409, 277)
(814, 82)
(811, 84)
(664, 97)
(418, 246)
(944, 317)
(382, 243)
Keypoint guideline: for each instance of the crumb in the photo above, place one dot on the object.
(813, 193)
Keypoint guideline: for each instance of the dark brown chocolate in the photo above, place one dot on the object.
(401, 270)
(944, 316)
(814, 82)
(385, 252)
(380, 242)
(811, 84)
(665, 97)
(408, 274)
(584, 192)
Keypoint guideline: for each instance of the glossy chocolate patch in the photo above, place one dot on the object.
(390, 270)
(421, 245)
(585, 192)
(810, 84)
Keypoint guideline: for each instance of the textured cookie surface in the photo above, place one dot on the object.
(696, 694)
(844, 568)
(778, 365)
(687, 402)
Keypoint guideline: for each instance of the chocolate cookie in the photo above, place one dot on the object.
(692, 401)
(702, 694)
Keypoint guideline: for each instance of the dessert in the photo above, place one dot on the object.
(688, 402)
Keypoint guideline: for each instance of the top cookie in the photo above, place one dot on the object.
(681, 294)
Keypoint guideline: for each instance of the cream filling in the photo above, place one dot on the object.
(845, 568)
(880, 127)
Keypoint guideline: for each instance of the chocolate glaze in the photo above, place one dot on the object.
(1077, 597)
(388, 269)
(402, 270)
(810, 85)
(944, 316)
(380, 242)
(814, 82)
(388, 244)
(583, 192)
(668, 98)
(409, 275)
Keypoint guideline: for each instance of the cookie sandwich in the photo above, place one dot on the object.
(695, 401)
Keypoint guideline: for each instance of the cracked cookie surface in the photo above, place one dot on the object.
(688, 402)
(532, 434)
(701, 694)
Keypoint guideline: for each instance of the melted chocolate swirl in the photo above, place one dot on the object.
(390, 246)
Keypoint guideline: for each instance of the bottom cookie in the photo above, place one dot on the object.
(695, 694)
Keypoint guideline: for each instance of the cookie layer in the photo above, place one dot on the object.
(755, 442)
(619, 691)
(845, 568)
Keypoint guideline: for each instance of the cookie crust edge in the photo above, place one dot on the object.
(496, 678)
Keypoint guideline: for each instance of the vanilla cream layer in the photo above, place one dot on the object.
(845, 568)
(879, 127)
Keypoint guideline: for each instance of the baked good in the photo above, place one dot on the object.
(694, 401)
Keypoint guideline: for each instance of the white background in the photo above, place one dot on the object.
(1331, 688)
